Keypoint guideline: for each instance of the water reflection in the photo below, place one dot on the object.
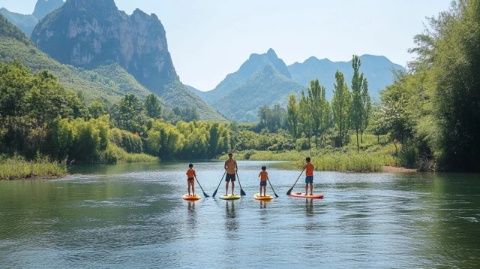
(192, 215)
(309, 209)
(231, 221)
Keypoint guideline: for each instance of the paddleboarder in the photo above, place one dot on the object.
(231, 169)
(308, 167)
(263, 176)
(191, 179)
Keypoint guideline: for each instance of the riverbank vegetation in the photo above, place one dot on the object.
(18, 168)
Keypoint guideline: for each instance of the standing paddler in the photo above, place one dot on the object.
(231, 169)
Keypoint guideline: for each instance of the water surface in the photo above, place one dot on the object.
(132, 216)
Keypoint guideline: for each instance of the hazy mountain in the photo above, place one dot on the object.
(45, 7)
(262, 80)
(90, 34)
(378, 69)
(27, 23)
(110, 82)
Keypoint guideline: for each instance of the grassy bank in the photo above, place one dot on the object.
(115, 154)
(18, 168)
(373, 156)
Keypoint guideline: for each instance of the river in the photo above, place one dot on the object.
(132, 216)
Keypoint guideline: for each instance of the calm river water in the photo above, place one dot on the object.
(132, 216)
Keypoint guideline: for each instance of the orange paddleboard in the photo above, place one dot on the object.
(195, 197)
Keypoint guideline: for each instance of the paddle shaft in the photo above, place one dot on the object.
(241, 189)
(204, 193)
(215, 193)
(290, 190)
(271, 186)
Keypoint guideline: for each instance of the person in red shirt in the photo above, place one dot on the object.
(191, 179)
(263, 176)
(309, 175)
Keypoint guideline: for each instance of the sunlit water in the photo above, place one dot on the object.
(132, 216)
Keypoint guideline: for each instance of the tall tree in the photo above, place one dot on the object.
(153, 107)
(341, 102)
(129, 114)
(305, 116)
(367, 107)
(356, 109)
(319, 109)
(292, 116)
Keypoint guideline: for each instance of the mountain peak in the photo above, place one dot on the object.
(44, 7)
(97, 6)
(272, 53)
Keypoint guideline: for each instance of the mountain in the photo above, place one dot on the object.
(90, 34)
(378, 70)
(263, 79)
(110, 82)
(28, 22)
(45, 7)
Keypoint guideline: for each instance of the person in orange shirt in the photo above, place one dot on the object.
(309, 175)
(263, 176)
(191, 179)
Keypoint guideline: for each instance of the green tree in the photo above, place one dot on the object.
(367, 107)
(153, 107)
(319, 110)
(357, 109)
(341, 103)
(292, 116)
(129, 114)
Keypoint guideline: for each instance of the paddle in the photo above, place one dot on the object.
(276, 196)
(290, 190)
(241, 190)
(204, 193)
(215, 193)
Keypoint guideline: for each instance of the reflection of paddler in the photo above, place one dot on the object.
(263, 204)
(309, 206)
(230, 209)
(231, 169)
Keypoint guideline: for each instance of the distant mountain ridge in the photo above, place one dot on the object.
(379, 71)
(263, 79)
(90, 34)
(27, 23)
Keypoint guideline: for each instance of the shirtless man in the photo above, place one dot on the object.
(231, 168)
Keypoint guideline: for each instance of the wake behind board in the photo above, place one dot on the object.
(195, 197)
(307, 196)
(230, 197)
(263, 198)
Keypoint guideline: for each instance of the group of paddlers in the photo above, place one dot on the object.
(231, 175)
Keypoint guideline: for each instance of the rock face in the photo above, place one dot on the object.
(87, 33)
(45, 7)
(94, 33)
(27, 23)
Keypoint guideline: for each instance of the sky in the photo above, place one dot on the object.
(209, 39)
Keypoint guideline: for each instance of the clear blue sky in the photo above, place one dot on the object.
(210, 38)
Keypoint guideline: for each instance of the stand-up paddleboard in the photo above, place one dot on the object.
(263, 198)
(195, 197)
(307, 196)
(230, 197)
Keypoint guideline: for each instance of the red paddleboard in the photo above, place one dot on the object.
(303, 195)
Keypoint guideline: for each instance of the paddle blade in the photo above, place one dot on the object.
(205, 194)
(215, 193)
(289, 191)
(242, 192)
